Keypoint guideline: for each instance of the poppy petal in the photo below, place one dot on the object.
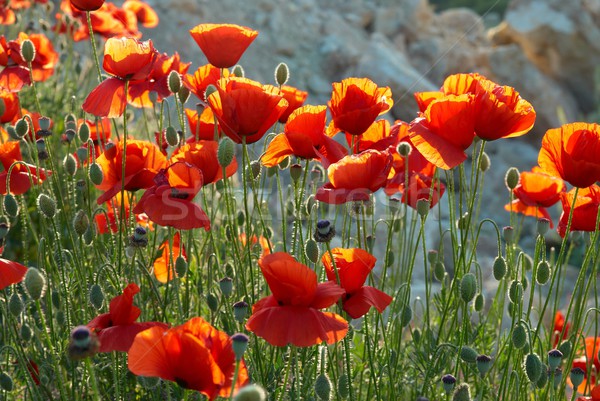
(11, 273)
(359, 302)
(107, 99)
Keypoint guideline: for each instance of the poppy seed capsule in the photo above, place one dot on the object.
(557, 375)
(240, 311)
(226, 286)
(499, 268)
(239, 342)
(533, 367)
(484, 364)
(323, 387)
(468, 354)
(324, 231)
(28, 50)
(543, 225)
(468, 287)
(174, 81)
(543, 272)
(96, 296)
(35, 283)
(295, 172)
(252, 392)
(519, 336)
(311, 250)
(44, 123)
(462, 393)
(448, 382)
(238, 71)
(577, 375)
(6, 382)
(554, 358)
(423, 206)
(282, 74)
(68, 136)
(511, 179)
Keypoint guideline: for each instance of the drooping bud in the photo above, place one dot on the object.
(479, 302)
(439, 270)
(282, 74)
(46, 205)
(295, 172)
(511, 179)
(96, 175)
(468, 354)
(21, 127)
(27, 50)
(543, 379)
(70, 164)
(462, 393)
(212, 301)
(468, 287)
(15, 304)
(174, 81)
(343, 388)
(254, 170)
(225, 152)
(543, 272)
(323, 387)
(84, 132)
(499, 268)
(183, 94)
(311, 250)
(519, 336)
(81, 222)
(238, 71)
(515, 291)
(6, 382)
(11, 206)
(484, 162)
(181, 266)
(35, 283)
(252, 392)
(406, 316)
(210, 89)
(96, 296)
(171, 135)
(533, 367)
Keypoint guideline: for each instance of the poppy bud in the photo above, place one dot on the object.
(405, 316)
(238, 71)
(484, 363)
(519, 336)
(295, 172)
(533, 367)
(324, 232)
(370, 242)
(35, 283)
(543, 225)
(26, 332)
(12, 132)
(174, 81)
(543, 272)
(554, 358)
(22, 127)
(239, 342)
(423, 206)
(70, 164)
(343, 387)
(81, 222)
(310, 203)
(404, 149)
(89, 234)
(254, 169)
(55, 296)
(96, 296)
(284, 163)
(448, 382)
(225, 152)
(212, 302)
(439, 270)
(11, 206)
(577, 375)
(44, 123)
(226, 285)
(282, 74)
(526, 262)
(28, 50)
(311, 250)
(252, 392)
(210, 89)
(390, 257)
(511, 179)
(6, 382)
(46, 205)
(462, 393)
(181, 266)
(240, 311)
(15, 304)
(4, 229)
(317, 173)
(84, 132)
(543, 379)
(183, 94)
(515, 291)
(484, 162)
(479, 302)
(468, 287)
(432, 256)
(323, 387)
(565, 347)
(83, 343)
(468, 354)
(499, 268)
(171, 135)
(96, 175)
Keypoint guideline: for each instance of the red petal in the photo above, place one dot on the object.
(107, 99)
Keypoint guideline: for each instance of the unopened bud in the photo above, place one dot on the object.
(499, 268)
(484, 162)
(70, 164)
(15, 304)
(439, 270)
(225, 152)
(174, 81)
(311, 250)
(171, 135)
(252, 392)
(6, 382)
(11, 206)
(515, 291)
(81, 222)
(28, 50)
(343, 388)
(479, 302)
(210, 89)
(511, 179)
(282, 74)
(468, 287)
(181, 266)
(295, 172)
(35, 283)
(238, 71)
(46, 205)
(323, 387)
(212, 301)
(183, 94)
(84, 132)
(462, 393)
(533, 367)
(22, 127)
(95, 173)
(543, 272)
(96, 296)
(519, 336)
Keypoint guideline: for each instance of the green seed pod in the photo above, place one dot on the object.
(432, 256)
(311, 250)
(241, 218)
(515, 292)
(533, 367)
(212, 301)
(423, 207)
(439, 271)
(468, 287)
(511, 179)
(183, 94)
(343, 388)
(96, 175)
(565, 347)
(282, 74)
(84, 132)
(499, 268)
(70, 121)
(89, 234)
(46, 205)
(484, 163)
(405, 316)
(35, 283)
(240, 311)
(225, 151)
(96, 296)
(15, 304)
(543, 225)
(577, 375)
(238, 71)
(6, 382)
(12, 132)
(416, 334)
(239, 344)
(468, 354)
(226, 286)
(26, 332)
(554, 358)
(27, 50)
(70, 164)
(323, 387)
(484, 364)
(254, 170)
(448, 382)
(509, 234)
(174, 81)
(404, 149)
(295, 172)
(543, 379)
(557, 374)
(81, 222)
(519, 336)
(11, 206)
(543, 272)
(181, 266)
(462, 393)
(172, 136)
(210, 89)
(479, 302)
(252, 392)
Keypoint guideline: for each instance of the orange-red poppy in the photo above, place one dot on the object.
(445, 130)
(353, 267)
(246, 108)
(594, 395)
(22, 175)
(304, 136)
(203, 155)
(356, 102)
(205, 75)
(592, 346)
(170, 201)
(12, 76)
(571, 152)
(585, 212)
(355, 177)
(223, 44)
(143, 161)
(87, 5)
(125, 59)
(202, 127)
(261, 241)
(195, 355)
(535, 192)
(45, 60)
(7, 16)
(117, 328)
(143, 12)
(291, 314)
(11, 273)
(295, 98)
(11, 106)
(164, 269)
(379, 136)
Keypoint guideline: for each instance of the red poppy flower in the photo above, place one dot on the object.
(592, 346)
(203, 155)
(117, 328)
(125, 59)
(295, 98)
(205, 75)
(11, 106)
(585, 212)
(11, 273)
(535, 192)
(7, 16)
(143, 12)
(246, 108)
(12, 76)
(223, 44)
(87, 5)
(261, 241)
(143, 161)
(170, 201)
(202, 127)
(356, 102)
(164, 269)
(22, 175)
(445, 130)
(195, 355)
(291, 314)
(571, 152)
(353, 267)
(355, 177)
(379, 136)
(45, 60)
(594, 396)
(304, 136)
